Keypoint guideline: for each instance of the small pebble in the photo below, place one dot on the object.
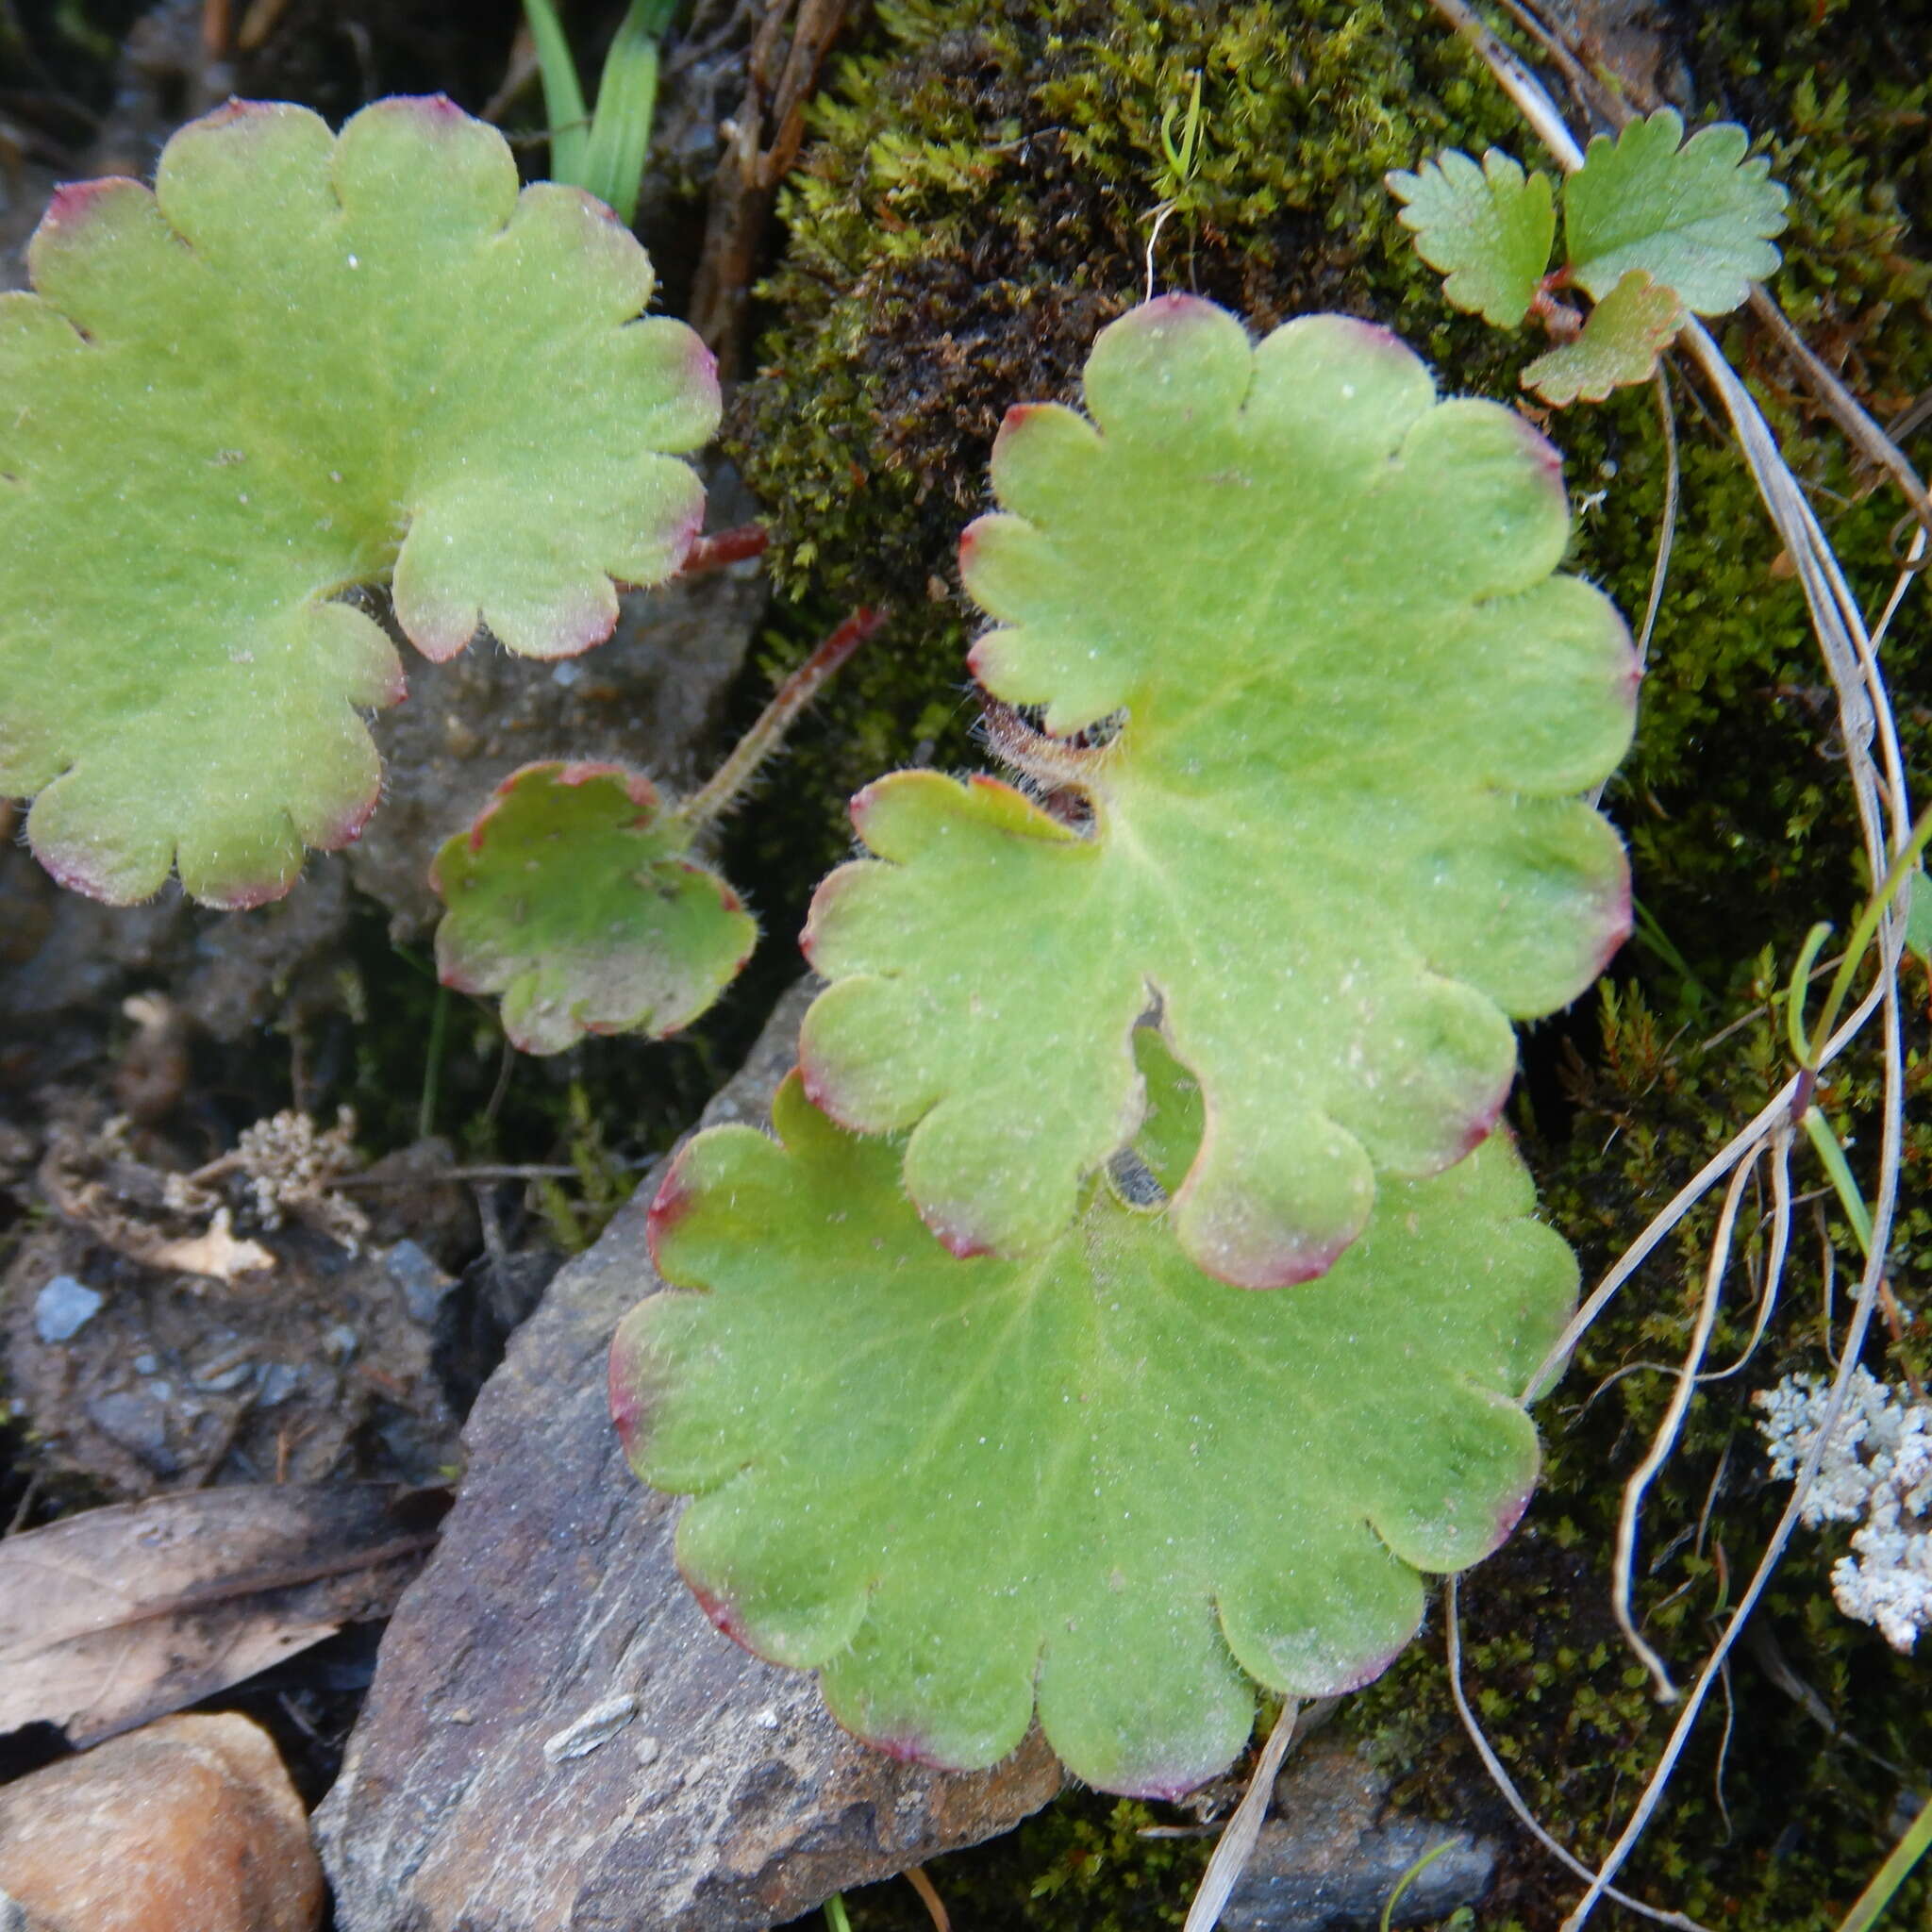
(64, 1307)
(278, 1382)
(189, 1825)
(422, 1283)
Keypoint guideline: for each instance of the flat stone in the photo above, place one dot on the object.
(557, 1737)
(189, 1825)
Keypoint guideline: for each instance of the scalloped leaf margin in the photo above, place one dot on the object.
(317, 362)
(1097, 1480)
(574, 897)
(1336, 835)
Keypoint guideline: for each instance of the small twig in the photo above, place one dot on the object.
(1891, 1154)
(723, 787)
(506, 1066)
(432, 1068)
(28, 1497)
(559, 1171)
(1666, 536)
(754, 162)
(1847, 411)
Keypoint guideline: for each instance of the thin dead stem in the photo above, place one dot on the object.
(1451, 1632)
(1666, 1439)
(1237, 1846)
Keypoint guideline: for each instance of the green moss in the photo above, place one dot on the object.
(1082, 1865)
(979, 203)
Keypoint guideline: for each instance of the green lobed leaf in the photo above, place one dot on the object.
(1096, 1478)
(574, 897)
(1698, 218)
(1621, 338)
(1337, 832)
(1487, 229)
(303, 363)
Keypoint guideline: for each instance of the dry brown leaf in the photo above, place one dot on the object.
(115, 1616)
(218, 1252)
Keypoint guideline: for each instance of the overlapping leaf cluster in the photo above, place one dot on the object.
(1655, 227)
(301, 364)
(1215, 997)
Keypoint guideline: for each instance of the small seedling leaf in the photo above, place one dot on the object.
(1622, 337)
(574, 895)
(303, 363)
(1698, 218)
(1336, 831)
(1097, 1478)
(1487, 229)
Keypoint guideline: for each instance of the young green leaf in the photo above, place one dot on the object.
(301, 364)
(1097, 1476)
(1336, 831)
(1698, 218)
(1622, 337)
(573, 895)
(1487, 229)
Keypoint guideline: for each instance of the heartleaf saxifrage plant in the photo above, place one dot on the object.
(1652, 230)
(963, 1371)
(305, 364)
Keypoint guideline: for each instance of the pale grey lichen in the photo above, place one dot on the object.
(1876, 1471)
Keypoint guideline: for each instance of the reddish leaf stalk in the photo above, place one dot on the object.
(723, 547)
(721, 789)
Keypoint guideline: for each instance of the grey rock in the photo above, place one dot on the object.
(136, 1420)
(423, 1284)
(1333, 1852)
(557, 1737)
(64, 1307)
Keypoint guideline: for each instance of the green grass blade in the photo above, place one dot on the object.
(1891, 1875)
(626, 100)
(563, 99)
(1409, 1878)
(1833, 1156)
